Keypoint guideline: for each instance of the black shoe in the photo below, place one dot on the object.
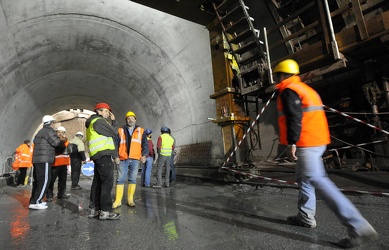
(293, 220)
(78, 187)
(106, 215)
(64, 196)
(49, 199)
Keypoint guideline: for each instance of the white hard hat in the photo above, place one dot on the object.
(80, 133)
(60, 128)
(47, 119)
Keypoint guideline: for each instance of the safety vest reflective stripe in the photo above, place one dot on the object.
(96, 141)
(166, 145)
(306, 109)
(61, 156)
(139, 139)
(314, 125)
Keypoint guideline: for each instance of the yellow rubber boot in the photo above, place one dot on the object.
(26, 181)
(119, 195)
(131, 192)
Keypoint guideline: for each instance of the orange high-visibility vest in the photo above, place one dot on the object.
(135, 146)
(24, 156)
(314, 125)
(62, 159)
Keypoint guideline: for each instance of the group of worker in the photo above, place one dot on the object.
(303, 130)
(109, 144)
(127, 147)
(23, 163)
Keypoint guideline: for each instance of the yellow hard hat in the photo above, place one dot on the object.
(288, 66)
(130, 113)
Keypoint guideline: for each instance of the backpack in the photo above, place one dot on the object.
(72, 148)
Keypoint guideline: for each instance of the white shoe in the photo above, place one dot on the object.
(43, 203)
(37, 206)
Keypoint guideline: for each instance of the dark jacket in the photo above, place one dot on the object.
(45, 142)
(104, 128)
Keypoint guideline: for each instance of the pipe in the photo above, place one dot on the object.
(385, 84)
(334, 44)
(270, 72)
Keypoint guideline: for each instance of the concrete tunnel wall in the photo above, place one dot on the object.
(57, 55)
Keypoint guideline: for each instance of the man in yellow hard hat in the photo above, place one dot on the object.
(133, 148)
(305, 133)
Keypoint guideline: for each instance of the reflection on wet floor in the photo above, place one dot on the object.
(185, 216)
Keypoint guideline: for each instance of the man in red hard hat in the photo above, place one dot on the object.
(101, 136)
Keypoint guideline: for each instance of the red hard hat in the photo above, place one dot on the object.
(102, 105)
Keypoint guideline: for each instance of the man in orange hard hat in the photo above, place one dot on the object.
(305, 133)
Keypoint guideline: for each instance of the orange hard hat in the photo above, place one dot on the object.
(102, 105)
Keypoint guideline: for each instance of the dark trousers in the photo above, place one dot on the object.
(172, 169)
(92, 203)
(103, 181)
(22, 176)
(42, 178)
(61, 172)
(75, 164)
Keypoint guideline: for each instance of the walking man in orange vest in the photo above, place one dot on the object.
(133, 148)
(304, 131)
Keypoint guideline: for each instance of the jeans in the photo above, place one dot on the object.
(146, 171)
(128, 167)
(163, 160)
(311, 176)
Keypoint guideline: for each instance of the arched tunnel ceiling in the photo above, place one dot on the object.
(57, 55)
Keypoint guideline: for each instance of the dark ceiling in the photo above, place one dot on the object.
(186, 9)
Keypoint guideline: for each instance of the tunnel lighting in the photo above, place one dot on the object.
(211, 119)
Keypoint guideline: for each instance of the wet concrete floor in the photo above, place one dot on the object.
(188, 215)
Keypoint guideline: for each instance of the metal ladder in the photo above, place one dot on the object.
(244, 43)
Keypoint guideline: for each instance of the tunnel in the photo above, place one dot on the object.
(61, 55)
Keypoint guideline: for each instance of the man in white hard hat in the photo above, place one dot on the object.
(45, 142)
(77, 158)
